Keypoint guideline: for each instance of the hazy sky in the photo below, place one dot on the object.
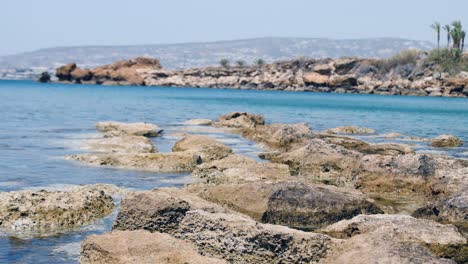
(32, 24)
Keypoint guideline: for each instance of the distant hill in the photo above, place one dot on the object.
(174, 56)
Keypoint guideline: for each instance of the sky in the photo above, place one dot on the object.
(28, 25)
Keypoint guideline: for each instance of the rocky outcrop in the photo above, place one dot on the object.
(199, 122)
(112, 128)
(120, 144)
(344, 75)
(44, 77)
(446, 141)
(119, 73)
(239, 169)
(121, 247)
(207, 148)
(50, 211)
(217, 232)
(153, 162)
(280, 136)
(350, 130)
(292, 204)
(239, 120)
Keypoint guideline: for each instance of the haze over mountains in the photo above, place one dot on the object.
(188, 55)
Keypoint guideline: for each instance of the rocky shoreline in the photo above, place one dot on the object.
(317, 197)
(345, 75)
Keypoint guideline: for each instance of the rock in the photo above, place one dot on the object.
(342, 80)
(324, 69)
(292, 204)
(350, 130)
(112, 128)
(239, 169)
(393, 233)
(207, 148)
(446, 141)
(280, 136)
(239, 120)
(320, 161)
(121, 144)
(313, 78)
(198, 122)
(44, 77)
(379, 247)
(154, 162)
(216, 231)
(121, 247)
(366, 148)
(392, 135)
(50, 211)
(63, 73)
(81, 75)
(343, 66)
(404, 228)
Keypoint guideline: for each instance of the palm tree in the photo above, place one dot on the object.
(447, 29)
(224, 63)
(436, 27)
(456, 34)
(240, 63)
(260, 62)
(462, 36)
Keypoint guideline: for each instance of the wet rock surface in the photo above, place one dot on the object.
(207, 148)
(112, 128)
(51, 211)
(446, 141)
(350, 130)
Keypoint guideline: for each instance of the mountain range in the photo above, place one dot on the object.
(188, 55)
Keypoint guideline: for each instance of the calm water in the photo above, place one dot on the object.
(40, 123)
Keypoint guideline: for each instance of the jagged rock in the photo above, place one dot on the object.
(292, 204)
(239, 120)
(44, 77)
(313, 78)
(280, 136)
(54, 210)
(320, 161)
(216, 231)
(199, 122)
(154, 162)
(112, 128)
(239, 169)
(121, 247)
(350, 130)
(121, 144)
(207, 148)
(342, 80)
(344, 66)
(446, 141)
(81, 75)
(63, 73)
(401, 230)
(366, 148)
(324, 69)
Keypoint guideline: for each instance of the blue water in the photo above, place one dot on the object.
(40, 123)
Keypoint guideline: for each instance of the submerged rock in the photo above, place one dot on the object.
(292, 204)
(207, 148)
(239, 120)
(54, 210)
(199, 122)
(121, 247)
(155, 162)
(121, 144)
(217, 232)
(238, 169)
(112, 128)
(350, 130)
(446, 141)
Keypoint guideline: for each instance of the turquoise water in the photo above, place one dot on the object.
(40, 123)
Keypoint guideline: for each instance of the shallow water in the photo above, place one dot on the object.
(40, 123)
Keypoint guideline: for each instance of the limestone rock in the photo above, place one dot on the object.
(199, 122)
(154, 162)
(113, 128)
(350, 130)
(63, 73)
(121, 144)
(239, 169)
(207, 148)
(315, 78)
(49, 211)
(239, 120)
(446, 141)
(293, 204)
(122, 247)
